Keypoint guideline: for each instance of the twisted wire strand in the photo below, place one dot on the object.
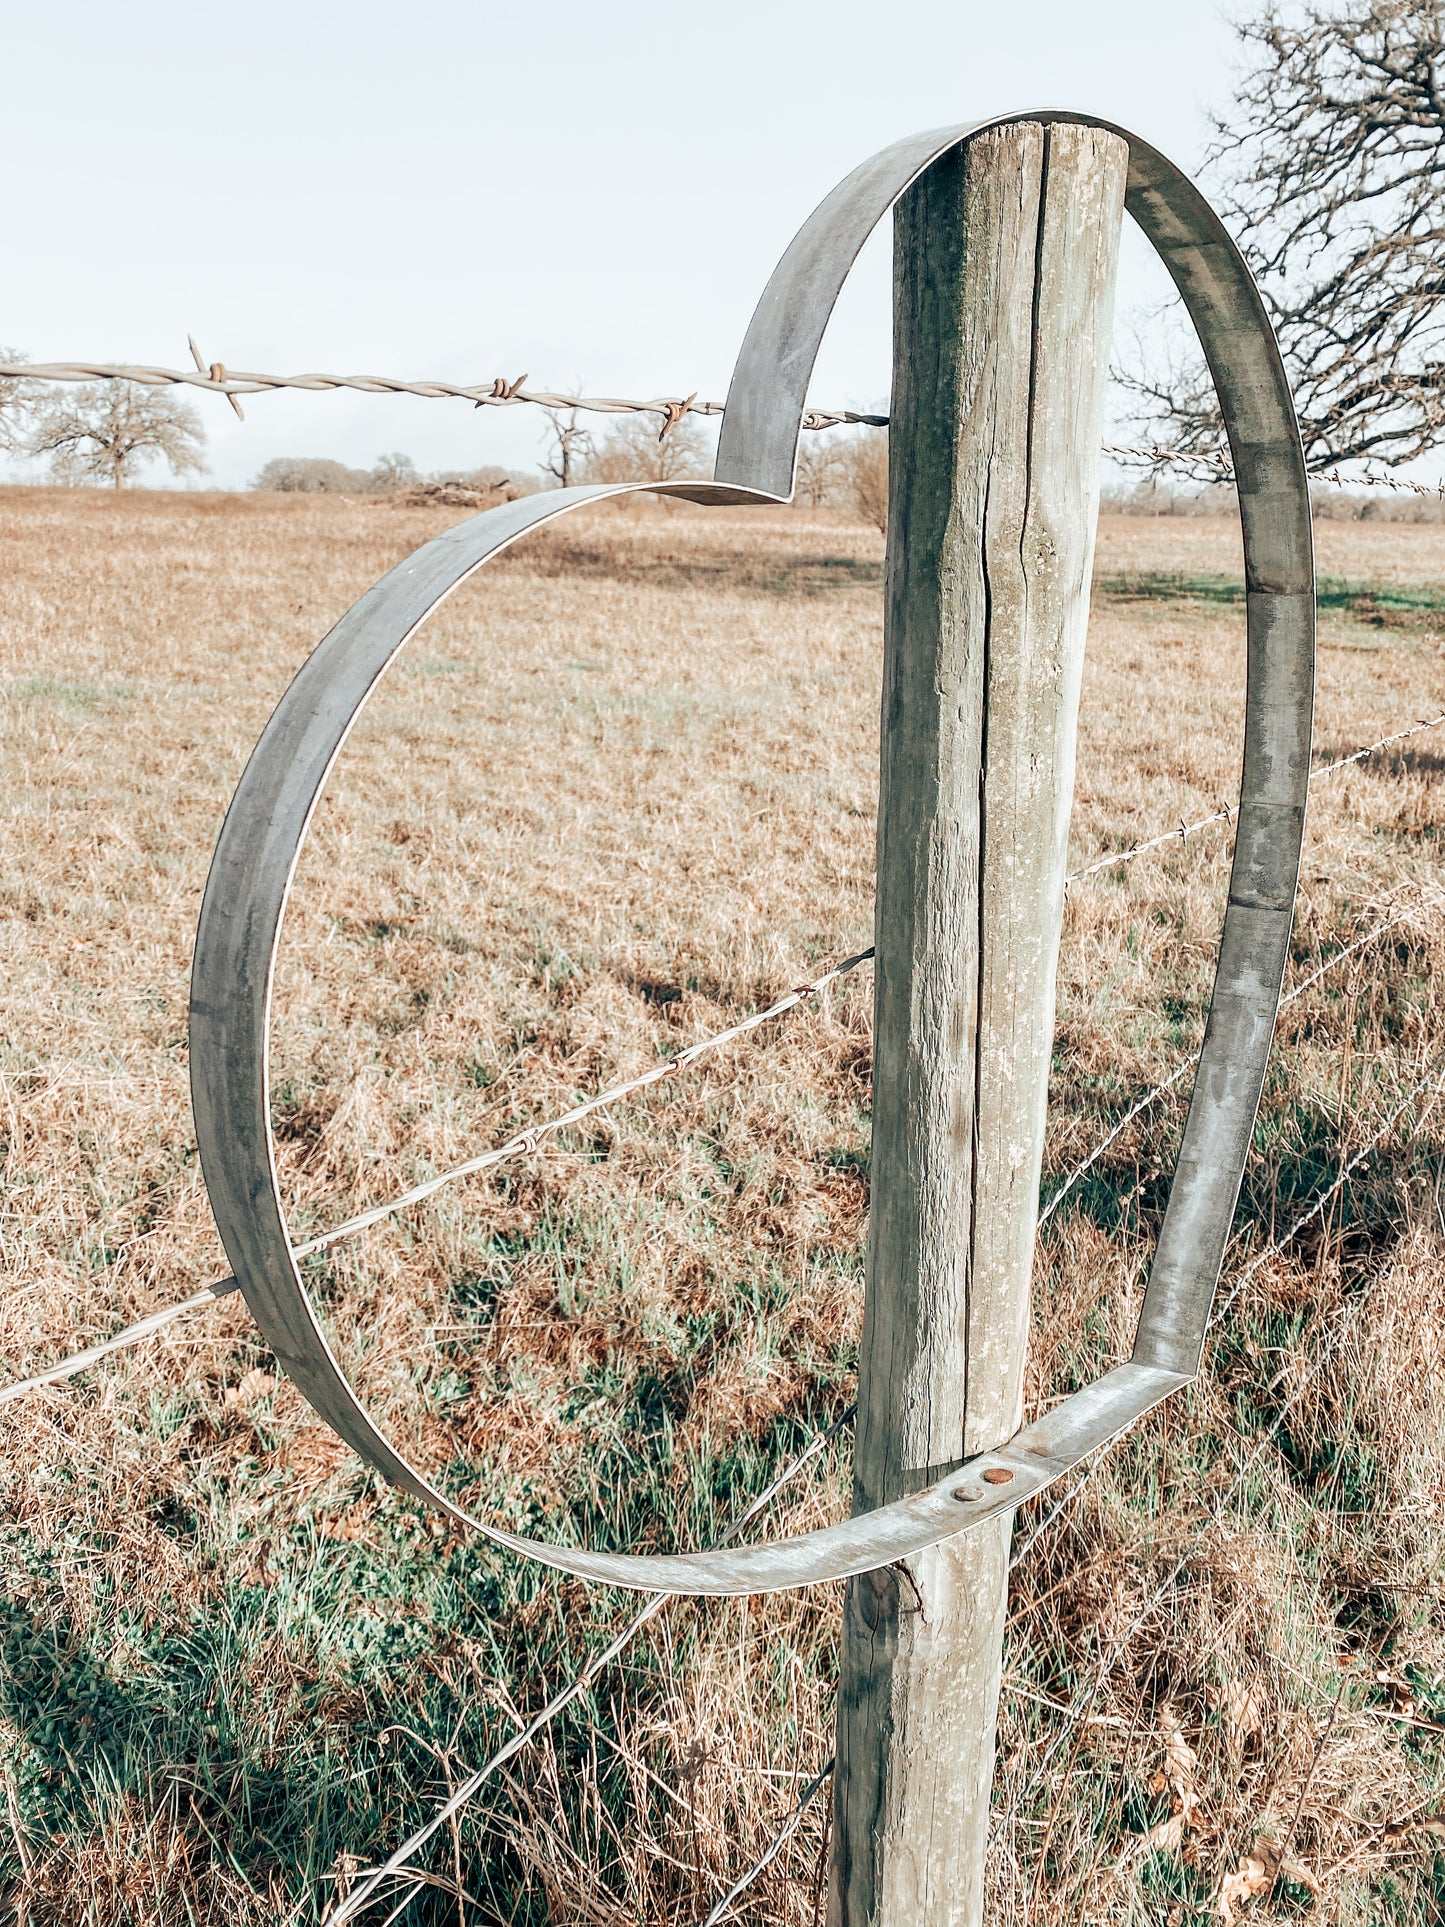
(132, 1335)
(526, 1141)
(1082, 1478)
(1228, 811)
(372, 1881)
(529, 1140)
(1080, 1709)
(217, 379)
(1214, 465)
(515, 1147)
(775, 1846)
(1181, 1069)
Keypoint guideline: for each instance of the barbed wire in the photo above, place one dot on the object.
(775, 1846)
(515, 1147)
(529, 1140)
(1319, 1204)
(1188, 1063)
(502, 391)
(779, 1839)
(1213, 465)
(1078, 1711)
(372, 1881)
(1228, 811)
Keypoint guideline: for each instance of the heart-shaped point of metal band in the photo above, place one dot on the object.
(261, 839)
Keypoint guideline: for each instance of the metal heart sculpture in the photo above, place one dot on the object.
(261, 839)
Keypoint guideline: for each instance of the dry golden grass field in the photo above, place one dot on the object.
(619, 793)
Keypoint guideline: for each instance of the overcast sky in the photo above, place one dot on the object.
(588, 194)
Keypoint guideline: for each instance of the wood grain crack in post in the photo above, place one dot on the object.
(993, 500)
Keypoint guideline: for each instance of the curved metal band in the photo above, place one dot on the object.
(267, 821)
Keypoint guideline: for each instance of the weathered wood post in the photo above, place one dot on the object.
(1004, 259)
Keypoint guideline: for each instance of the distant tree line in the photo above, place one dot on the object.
(1328, 167)
(395, 476)
(108, 432)
(836, 470)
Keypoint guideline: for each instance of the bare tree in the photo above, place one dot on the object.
(821, 466)
(17, 398)
(847, 472)
(571, 446)
(865, 475)
(634, 452)
(1333, 155)
(393, 472)
(108, 432)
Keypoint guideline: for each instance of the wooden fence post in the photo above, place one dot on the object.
(1003, 294)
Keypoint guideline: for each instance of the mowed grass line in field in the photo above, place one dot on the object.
(618, 793)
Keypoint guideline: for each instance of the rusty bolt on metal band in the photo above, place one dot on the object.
(260, 842)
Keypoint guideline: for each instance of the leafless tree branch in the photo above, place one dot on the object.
(1333, 156)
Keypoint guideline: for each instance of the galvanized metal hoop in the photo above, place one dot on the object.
(265, 827)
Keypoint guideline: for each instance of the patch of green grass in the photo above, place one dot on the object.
(69, 690)
(1331, 592)
(303, 1703)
